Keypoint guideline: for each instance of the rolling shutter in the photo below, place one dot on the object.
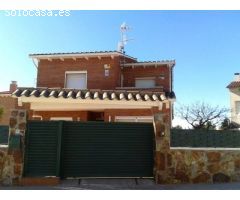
(76, 80)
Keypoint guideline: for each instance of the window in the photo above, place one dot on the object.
(237, 104)
(37, 117)
(76, 80)
(125, 119)
(144, 82)
(162, 76)
(61, 118)
(145, 119)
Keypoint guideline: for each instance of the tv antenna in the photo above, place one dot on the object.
(124, 28)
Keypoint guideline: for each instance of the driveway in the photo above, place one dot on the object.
(124, 184)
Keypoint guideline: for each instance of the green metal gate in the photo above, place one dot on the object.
(42, 147)
(89, 149)
(94, 149)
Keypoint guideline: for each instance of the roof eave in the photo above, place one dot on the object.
(169, 63)
(78, 55)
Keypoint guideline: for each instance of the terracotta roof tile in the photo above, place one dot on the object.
(94, 94)
(234, 84)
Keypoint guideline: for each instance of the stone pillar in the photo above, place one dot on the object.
(6, 167)
(18, 119)
(162, 153)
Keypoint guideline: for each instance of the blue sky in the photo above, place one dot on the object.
(205, 44)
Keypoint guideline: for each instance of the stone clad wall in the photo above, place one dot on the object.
(198, 166)
(191, 165)
(11, 156)
(6, 167)
(171, 165)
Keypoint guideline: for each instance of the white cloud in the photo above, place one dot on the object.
(178, 121)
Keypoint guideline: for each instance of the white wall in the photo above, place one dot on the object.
(234, 96)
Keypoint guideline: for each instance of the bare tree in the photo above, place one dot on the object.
(201, 115)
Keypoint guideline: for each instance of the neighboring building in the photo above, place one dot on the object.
(7, 103)
(234, 89)
(98, 86)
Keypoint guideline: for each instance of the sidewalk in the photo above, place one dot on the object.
(124, 184)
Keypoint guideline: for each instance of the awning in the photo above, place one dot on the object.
(72, 99)
(118, 95)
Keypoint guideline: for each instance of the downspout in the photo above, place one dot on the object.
(171, 90)
(171, 76)
(121, 68)
(121, 78)
(34, 63)
(35, 80)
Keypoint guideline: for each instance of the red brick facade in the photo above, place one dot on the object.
(86, 115)
(106, 115)
(75, 115)
(123, 71)
(160, 74)
(7, 103)
(51, 73)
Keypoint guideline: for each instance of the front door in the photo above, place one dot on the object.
(95, 116)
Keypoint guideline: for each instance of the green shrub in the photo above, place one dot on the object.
(1, 112)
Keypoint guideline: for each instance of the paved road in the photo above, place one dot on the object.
(124, 184)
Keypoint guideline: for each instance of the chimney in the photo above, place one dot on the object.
(236, 76)
(13, 86)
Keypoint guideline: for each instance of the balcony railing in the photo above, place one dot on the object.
(156, 89)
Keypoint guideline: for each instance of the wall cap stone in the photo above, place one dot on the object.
(205, 148)
(3, 146)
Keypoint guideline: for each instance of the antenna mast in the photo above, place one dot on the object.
(123, 31)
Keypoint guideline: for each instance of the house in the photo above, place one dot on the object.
(98, 86)
(234, 89)
(7, 103)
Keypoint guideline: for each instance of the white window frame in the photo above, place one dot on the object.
(145, 78)
(38, 116)
(75, 72)
(61, 119)
(151, 77)
(135, 118)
